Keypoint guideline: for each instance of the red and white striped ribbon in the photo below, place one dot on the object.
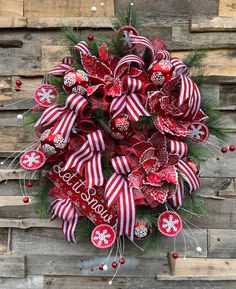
(67, 115)
(82, 47)
(126, 212)
(60, 69)
(179, 67)
(64, 209)
(195, 103)
(177, 200)
(89, 156)
(178, 147)
(143, 41)
(115, 184)
(163, 54)
(127, 59)
(189, 175)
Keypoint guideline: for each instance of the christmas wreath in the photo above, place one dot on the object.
(121, 129)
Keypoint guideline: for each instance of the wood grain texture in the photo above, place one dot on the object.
(29, 282)
(226, 247)
(66, 8)
(12, 266)
(203, 24)
(12, 22)
(227, 8)
(28, 223)
(11, 8)
(3, 240)
(203, 267)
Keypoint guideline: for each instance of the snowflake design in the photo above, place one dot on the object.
(70, 79)
(102, 237)
(49, 149)
(165, 64)
(59, 141)
(122, 124)
(46, 95)
(79, 89)
(45, 134)
(158, 78)
(141, 231)
(31, 159)
(197, 131)
(127, 38)
(169, 224)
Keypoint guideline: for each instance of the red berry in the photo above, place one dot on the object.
(175, 255)
(224, 150)
(26, 199)
(17, 88)
(92, 269)
(18, 82)
(1, 104)
(29, 184)
(122, 261)
(217, 158)
(114, 264)
(100, 267)
(218, 239)
(90, 37)
(232, 148)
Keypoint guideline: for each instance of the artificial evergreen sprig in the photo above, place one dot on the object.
(132, 16)
(101, 119)
(195, 57)
(146, 121)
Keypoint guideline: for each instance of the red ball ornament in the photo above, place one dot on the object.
(17, 88)
(232, 148)
(18, 82)
(90, 37)
(29, 184)
(1, 104)
(26, 200)
(52, 144)
(217, 158)
(142, 230)
(224, 150)
(76, 81)
(114, 265)
(218, 239)
(121, 127)
(175, 255)
(101, 267)
(160, 72)
(122, 261)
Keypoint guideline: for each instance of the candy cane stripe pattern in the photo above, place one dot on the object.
(178, 147)
(179, 67)
(140, 40)
(128, 59)
(177, 200)
(189, 175)
(82, 47)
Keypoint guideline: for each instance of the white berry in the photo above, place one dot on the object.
(199, 249)
(105, 267)
(102, 4)
(110, 282)
(131, 3)
(93, 9)
(19, 116)
(2, 163)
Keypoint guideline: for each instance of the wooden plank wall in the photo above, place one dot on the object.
(33, 252)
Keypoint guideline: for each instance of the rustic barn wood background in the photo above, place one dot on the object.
(34, 254)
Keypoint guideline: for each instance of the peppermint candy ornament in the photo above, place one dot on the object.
(52, 143)
(198, 132)
(160, 72)
(142, 229)
(121, 127)
(169, 224)
(32, 160)
(103, 236)
(45, 95)
(76, 81)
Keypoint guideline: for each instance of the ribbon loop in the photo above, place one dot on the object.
(89, 156)
(64, 209)
(82, 47)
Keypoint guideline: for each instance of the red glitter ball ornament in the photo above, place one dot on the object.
(224, 150)
(76, 81)
(52, 144)
(175, 255)
(26, 200)
(121, 127)
(217, 158)
(1, 104)
(141, 230)
(232, 148)
(101, 267)
(18, 82)
(29, 184)
(114, 265)
(160, 72)
(90, 37)
(122, 261)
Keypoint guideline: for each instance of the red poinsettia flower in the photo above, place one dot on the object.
(155, 177)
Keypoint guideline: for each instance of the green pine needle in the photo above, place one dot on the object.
(200, 77)
(132, 16)
(195, 57)
(101, 119)
(56, 81)
(84, 230)
(197, 153)
(106, 166)
(146, 121)
(70, 37)
(31, 118)
(116, 46)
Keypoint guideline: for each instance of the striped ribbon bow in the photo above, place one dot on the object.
(181, 149)
(117, 190)
(67, 115)
(89, 157)
(129, 102)
(63, 67)
(82, 47)
(65, 209)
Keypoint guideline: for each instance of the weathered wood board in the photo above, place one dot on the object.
(11, 8)
(12, 266)
(227, 8)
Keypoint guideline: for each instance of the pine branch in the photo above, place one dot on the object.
(101, 119)
(132, 16)
(106, 166)
(146, 121)
(197, 153)
(31, 118)
(84, 229)
(42, 199)
(200, 77)
(195, 57)
(116, 46)
(56, 81)
(70, 37)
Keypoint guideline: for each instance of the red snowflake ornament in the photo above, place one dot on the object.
(103, 236)
(198, 131)
(32, 160)
(126, 31)
(169, 224)
(45, 95)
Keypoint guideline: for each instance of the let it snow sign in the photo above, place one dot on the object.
(91, 202)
